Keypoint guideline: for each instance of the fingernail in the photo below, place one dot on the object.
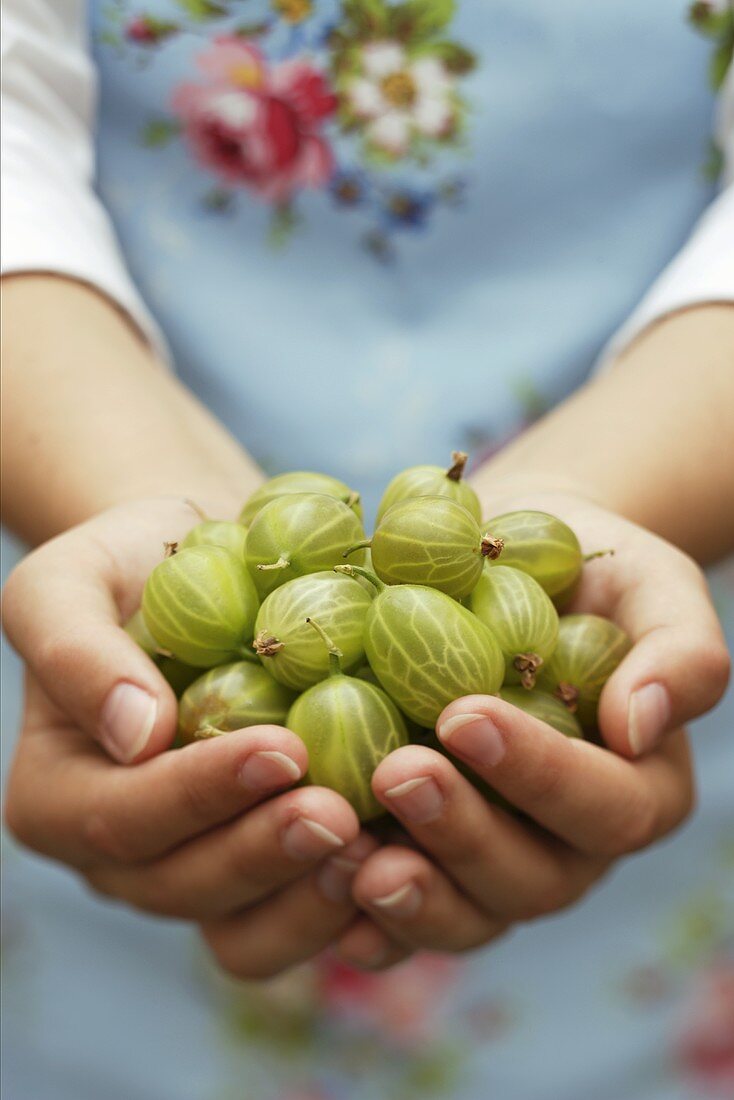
(648, 717)
(335, 878)
(401, 903)
(264, 770)
(307, 839)
(417, 800)
(474, 736)
(127, 721)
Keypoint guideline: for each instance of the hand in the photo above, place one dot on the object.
(480, 869)
(187, 833)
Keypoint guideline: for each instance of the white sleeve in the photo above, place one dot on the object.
(703, 271)
(52, 219)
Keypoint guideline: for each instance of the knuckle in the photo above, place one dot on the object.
(547, 781)
(14, 593)
(717, 663)
(104, 839)
(232, 956)
(636, 831)
(18, 819)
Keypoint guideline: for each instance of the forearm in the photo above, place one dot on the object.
(90, 418)
(652, 438)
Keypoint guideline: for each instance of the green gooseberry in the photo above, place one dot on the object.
(545, 707)
(200, 605)
(177, 674)
(427, 650)
(522, 618)
(232, 697)
(433, 481)
(217, 532)
(297, 534)
(431, 541)
(138, 631)
(541, 545)
(287, 645)
(348, 726)
(299, 481)
(588, 650)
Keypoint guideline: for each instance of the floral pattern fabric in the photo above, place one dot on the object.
(273, 96)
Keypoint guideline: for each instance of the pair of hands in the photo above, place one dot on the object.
(213, 834)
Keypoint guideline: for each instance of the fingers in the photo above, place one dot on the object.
(416, 905)
(367, 947)
(509, 870)
(296, 924)
(239, 864)
(679, 666)
(62, 610)
(593, 799)
(67, 800)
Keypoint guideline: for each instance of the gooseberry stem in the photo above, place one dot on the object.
(351, 499)
(456, 471)
(335, 654)
(281, 563)
(597, 554)
(198, 509)
(365, 545)
(354, 570)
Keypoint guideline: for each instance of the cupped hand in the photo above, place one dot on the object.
(473, 869)
(193, 833)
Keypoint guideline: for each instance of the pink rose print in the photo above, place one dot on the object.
(706, 1044)
(258, 127)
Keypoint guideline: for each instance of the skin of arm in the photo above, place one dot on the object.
(90, 417)
(651, 438)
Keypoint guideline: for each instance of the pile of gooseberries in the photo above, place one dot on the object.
(292, 616)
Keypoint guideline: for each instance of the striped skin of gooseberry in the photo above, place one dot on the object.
(299, 481)
(348, 726)
(588, 651)
(200, 605)
(545, 707)
(432, 481)
(522, 618)
(543, 546)
(428, 650)
(176, 673)
(138, 631)
(431, 541)
(217, 532)
(288, 646)
(298, 534)
(232, 697)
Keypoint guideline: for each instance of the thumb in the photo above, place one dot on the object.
(678, 667)
(60, 613)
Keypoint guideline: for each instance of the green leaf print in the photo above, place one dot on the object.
(416, 20)
(158, 132)
(367, 18)
(202, 9)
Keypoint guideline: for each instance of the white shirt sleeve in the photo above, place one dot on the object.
(52, 219)
(703, 271)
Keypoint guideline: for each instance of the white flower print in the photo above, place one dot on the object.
(399, 97)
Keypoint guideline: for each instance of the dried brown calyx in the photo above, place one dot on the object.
(265, 645)
(491, 547)
(169, 549)
(456, 471)
(568, 694)
(527, 664)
